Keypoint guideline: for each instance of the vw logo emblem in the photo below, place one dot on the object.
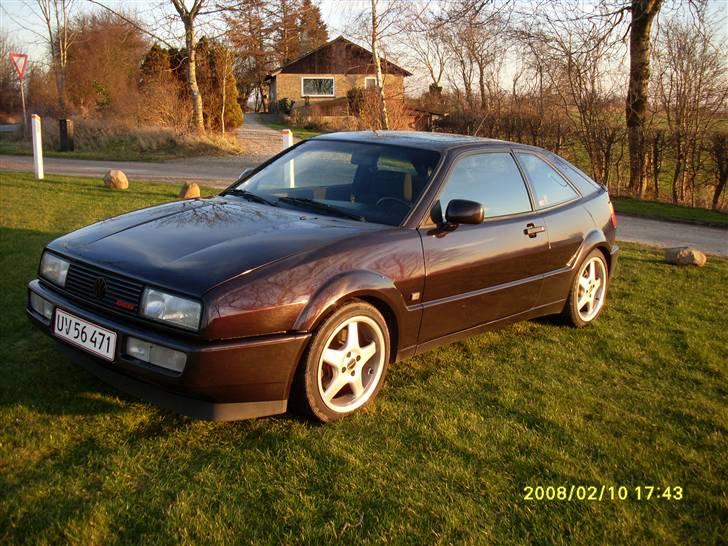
(100, 287)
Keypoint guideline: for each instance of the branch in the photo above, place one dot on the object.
(132, 23)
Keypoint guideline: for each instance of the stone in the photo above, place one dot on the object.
(685, 255)
(116, 180)
(189, 190)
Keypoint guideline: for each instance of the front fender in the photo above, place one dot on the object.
(352, 284)
(377, 289)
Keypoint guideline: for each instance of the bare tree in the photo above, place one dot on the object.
(188, 17)
(577, 53)
(719, 154)
(643, 13)
(692, 88)
(378, 65)
(56, 15)
(426, 40)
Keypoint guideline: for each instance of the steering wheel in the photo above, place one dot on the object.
(395, 199)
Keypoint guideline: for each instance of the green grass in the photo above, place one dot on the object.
(668, 211)
(442, 457)
(298, 132)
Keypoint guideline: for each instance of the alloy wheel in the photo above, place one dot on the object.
(351, 364)
(592, 288)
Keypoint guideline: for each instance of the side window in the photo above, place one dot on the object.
(549, 186)
(493, 180)
(582, 182)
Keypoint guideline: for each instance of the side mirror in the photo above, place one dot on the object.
(462, 211)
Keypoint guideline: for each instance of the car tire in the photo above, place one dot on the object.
(345, 364)
(588, 292)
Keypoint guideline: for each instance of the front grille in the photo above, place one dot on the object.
(118, 293)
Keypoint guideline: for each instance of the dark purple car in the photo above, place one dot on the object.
(311, 274)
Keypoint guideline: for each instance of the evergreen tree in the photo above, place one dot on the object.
(312, 31)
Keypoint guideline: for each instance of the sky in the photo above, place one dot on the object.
(24, 27)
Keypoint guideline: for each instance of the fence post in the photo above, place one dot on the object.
(287, 138)
(37, 146)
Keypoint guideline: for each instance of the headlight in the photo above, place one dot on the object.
(167, 308)
(54, 269)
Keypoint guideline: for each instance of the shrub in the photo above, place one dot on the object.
(285, 105)
(355, 96)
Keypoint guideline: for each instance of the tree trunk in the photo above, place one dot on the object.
(224, 90)
(384, 117)
(198, 119)
(643, 14)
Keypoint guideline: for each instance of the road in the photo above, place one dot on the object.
(669, 234)
(258, 140)
(212, 171)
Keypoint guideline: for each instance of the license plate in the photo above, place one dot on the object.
(94, 339)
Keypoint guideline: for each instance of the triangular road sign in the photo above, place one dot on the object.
(20, 61)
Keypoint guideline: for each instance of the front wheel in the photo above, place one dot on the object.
(588, 291)
(345, 365)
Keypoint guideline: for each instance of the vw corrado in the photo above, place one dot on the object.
(310, 275)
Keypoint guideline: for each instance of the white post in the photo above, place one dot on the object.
(287, 138)
(37, 146)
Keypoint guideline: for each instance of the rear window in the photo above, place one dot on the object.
(550, 187)
(583, 183)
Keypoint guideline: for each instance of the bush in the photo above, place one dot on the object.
(355, 96)
(285, 105)
(124, 141)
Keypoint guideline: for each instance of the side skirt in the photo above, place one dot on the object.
(540, 311)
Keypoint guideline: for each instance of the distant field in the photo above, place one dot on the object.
(444, 455)
(668, 211)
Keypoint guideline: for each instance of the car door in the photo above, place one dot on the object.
(566, 221)
(476, 274)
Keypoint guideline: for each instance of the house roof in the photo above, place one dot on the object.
(387, 66)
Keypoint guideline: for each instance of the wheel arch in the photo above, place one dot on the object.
(372, 288)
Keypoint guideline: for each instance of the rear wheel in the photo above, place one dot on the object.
(345, 365)
(588, 291)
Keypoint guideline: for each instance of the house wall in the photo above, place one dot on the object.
(289, 86)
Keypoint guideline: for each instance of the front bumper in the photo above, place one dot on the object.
(222, 381)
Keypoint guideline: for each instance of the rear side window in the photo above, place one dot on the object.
(493, 180)
(549, 186)
(584, 184)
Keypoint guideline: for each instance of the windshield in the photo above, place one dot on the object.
(368, 182)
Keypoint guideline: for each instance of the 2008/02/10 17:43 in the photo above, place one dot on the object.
(601, 493)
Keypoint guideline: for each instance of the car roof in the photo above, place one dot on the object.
(414, 139)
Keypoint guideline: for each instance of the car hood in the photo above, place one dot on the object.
(191, 246)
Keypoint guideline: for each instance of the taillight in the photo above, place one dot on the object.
(613, 214)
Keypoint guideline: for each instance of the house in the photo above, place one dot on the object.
(327, 73)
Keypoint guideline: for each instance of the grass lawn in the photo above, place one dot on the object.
(298, 132)
(639, 399)
(668, 211)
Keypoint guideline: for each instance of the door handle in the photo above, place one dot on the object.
(532, 230)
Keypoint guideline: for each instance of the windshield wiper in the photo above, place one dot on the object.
(250, 196)
(305, 202)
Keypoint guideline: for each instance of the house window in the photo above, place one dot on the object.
(317, 87)
(370, 82)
